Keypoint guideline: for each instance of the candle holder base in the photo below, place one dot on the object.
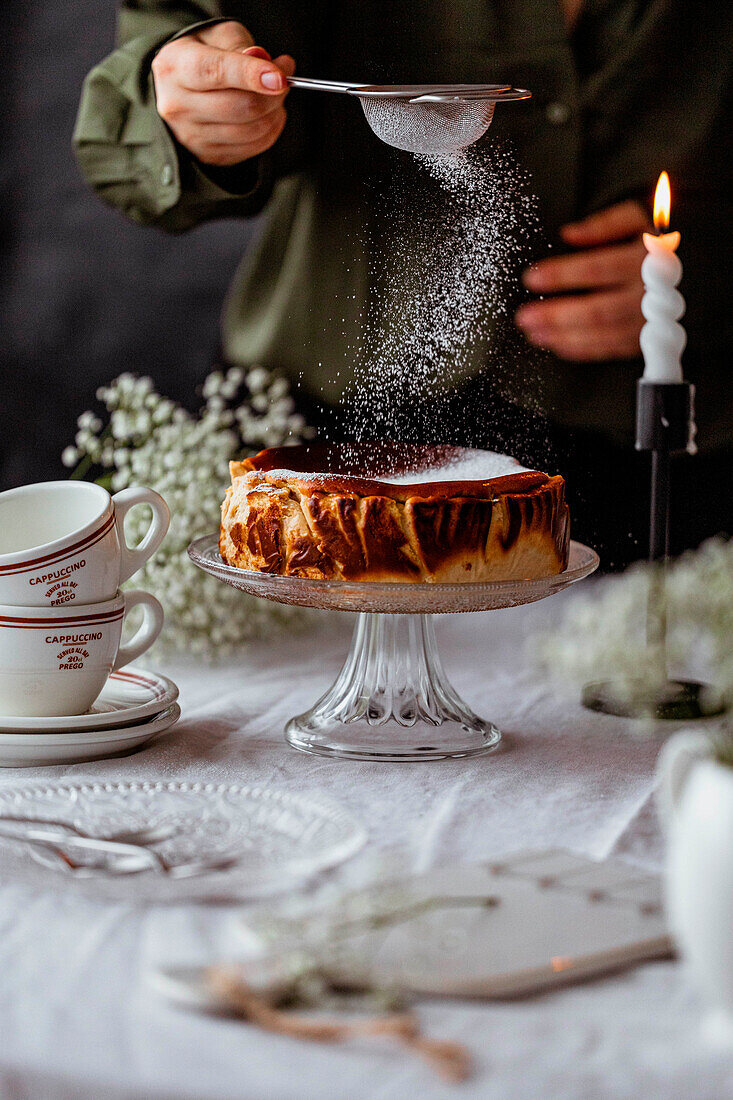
(675, 701)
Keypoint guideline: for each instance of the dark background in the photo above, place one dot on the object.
(84, 293)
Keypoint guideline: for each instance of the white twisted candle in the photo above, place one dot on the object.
(662, 339)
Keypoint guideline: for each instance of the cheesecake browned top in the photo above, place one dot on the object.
(391, 511)
(362, 468)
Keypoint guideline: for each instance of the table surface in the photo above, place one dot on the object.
(76, 1017)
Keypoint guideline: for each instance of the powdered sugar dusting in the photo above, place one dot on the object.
(469, 466)
(445, 271)
(391, 463)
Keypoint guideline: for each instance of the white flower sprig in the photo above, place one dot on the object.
(149, 440)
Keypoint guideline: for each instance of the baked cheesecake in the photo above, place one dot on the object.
(393, 512)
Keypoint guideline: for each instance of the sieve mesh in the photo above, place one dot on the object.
(428, 128)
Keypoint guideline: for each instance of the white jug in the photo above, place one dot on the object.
(696, 807)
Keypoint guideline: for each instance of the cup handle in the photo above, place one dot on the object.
(148, 630)
(676, 761)
(132, 559)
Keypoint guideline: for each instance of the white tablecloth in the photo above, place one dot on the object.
(76, 1018)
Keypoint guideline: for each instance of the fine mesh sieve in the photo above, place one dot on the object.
(432, 119)
(436, 128)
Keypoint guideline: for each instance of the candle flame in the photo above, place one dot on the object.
(662, 204)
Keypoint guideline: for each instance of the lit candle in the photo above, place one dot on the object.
(662, 339)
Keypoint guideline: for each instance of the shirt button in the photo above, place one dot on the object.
(557, 113)
(166, 176)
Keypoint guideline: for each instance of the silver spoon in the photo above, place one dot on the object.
(49, 855)
(55, 837)
(127, 858)
(55, 858)
(51, 837)
(149, 834)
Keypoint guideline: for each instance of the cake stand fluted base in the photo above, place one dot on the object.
(392, 700)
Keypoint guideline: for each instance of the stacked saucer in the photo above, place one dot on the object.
(63, 558)
(133, 707)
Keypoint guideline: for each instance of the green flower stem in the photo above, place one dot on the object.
(376, 921)
(77, 474)
(85, 465)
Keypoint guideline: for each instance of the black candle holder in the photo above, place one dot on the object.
(665, 423)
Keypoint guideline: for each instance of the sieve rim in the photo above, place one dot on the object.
(408, 91)
(470, 93)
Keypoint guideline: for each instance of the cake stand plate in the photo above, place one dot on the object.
(392, 700)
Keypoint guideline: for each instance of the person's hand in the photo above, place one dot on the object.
(603, 320)
(221, 95)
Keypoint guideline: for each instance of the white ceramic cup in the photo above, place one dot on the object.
(56, 660)
(63, 542)
(696, 808)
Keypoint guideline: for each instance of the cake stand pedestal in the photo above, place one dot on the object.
(392, 700)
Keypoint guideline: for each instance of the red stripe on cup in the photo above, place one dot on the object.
(59, 555)
(75, 621)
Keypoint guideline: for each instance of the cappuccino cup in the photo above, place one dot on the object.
(63, 542)
(56, 660)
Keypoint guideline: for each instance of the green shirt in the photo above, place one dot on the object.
(639, 86)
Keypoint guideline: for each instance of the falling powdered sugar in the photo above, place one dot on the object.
(444, 275)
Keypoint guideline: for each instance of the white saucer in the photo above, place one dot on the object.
(32, 750)
(129, 696)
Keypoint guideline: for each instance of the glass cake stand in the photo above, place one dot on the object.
(392, 700)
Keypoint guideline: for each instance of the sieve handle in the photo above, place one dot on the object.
(322, 85)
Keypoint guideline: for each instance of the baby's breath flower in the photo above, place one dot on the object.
(257, 379)
(278, 388)
(148, 440)
(120, 424)
(162, 411)
(89, 422)
(212, 384)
